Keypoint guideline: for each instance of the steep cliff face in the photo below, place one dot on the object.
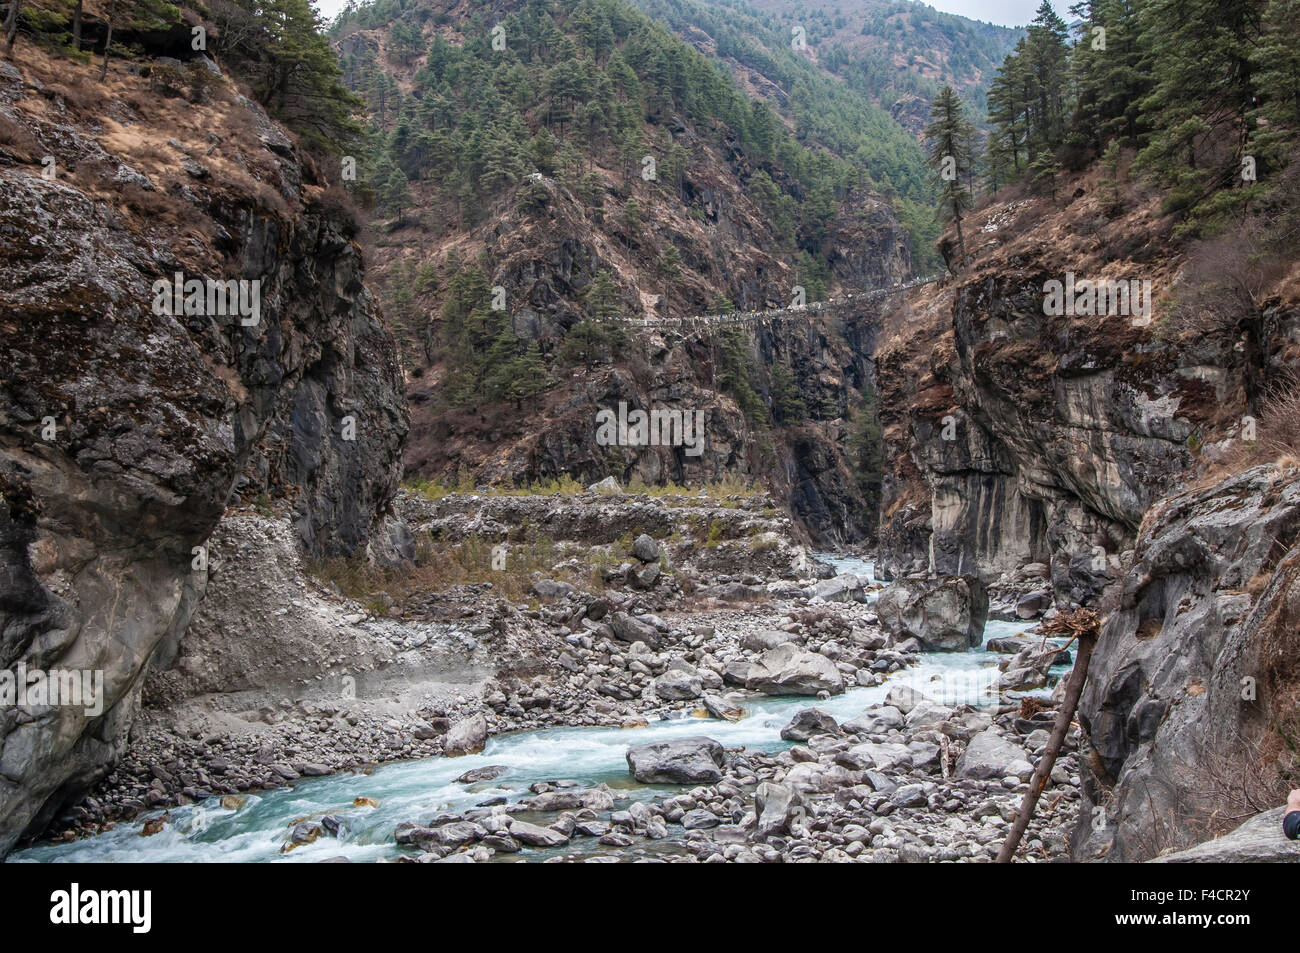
(1190, 708)
(125, 430)
(1022, 436)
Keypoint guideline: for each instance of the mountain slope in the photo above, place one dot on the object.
(597, 167)
(895, 55)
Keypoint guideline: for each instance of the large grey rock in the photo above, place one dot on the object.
(1165, 707)
(534, 835)
(947, 615)
(760, 640)
(679, 684)
(468, 736)
(628, 628)
(789, 670)
(845, 587)
(1258, 841)
(809, 722)
(990, 756)
(1027, 670)
(875, 721)
(720, 706)
(645, 549)
(905, 698)
(776, 806)
(680, 761)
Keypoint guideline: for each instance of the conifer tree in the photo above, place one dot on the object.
(949, 135)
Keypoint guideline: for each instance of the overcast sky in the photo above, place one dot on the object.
(1005, 12)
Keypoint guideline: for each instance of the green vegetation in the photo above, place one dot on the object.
(598, 81)
(1205, 92)
(952, 152)
(486, 360)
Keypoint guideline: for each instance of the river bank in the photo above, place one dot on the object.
(878, 778)
(490, 717)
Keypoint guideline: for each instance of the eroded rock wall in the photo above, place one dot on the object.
(124, 432)
(1190, 709)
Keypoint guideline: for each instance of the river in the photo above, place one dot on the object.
(415, 790)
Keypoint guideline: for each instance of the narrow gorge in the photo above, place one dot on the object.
(547, 431)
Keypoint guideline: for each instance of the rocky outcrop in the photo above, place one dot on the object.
(1190, 705)
(945, 615)
(1258, 841)
(1026, 437)
(125, 430)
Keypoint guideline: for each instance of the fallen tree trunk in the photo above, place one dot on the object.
(1083, 625)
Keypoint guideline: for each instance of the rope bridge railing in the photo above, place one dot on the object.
(775, 314)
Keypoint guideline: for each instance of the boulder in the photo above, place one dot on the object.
(905, 698)
(926, 714)
(944, 615)
(487, 773)
(789, 670)
(534, 835)
(628, 628)
(1027, 670)
(679, 684)
(883, 757)
(809, 722)
(875, 721)
(608, 486)
(845, 587)
(699, 819)
(761, 640)
(775, 807)
(645, 577)
(468, 736)
(1033, 604)
(551, 589)
(810, 777)
(723, 707)
(1258, 841)
(680, 761)
(990, 756)
(645, 549)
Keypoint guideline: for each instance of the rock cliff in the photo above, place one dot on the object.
(124, 429)
(1190, 706)
(1017, 436)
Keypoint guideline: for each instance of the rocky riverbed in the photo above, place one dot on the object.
(827, 732)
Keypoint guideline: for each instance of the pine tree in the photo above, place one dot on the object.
(397, 196)
(1108, 185)
(602, 296)
(787, 404)
(1205, 86)
(1275, 123)
(949, 135)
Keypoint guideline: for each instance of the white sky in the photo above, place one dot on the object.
(1005, 12)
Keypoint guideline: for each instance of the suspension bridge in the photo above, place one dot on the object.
(706, 321)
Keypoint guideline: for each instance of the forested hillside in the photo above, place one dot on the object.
(895, 53)
(590, 165)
